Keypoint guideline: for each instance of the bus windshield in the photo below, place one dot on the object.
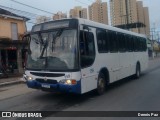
(55, 50)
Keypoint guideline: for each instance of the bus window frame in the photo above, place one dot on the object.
(105, 39)
(80, 58)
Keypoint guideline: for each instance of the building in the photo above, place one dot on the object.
(123, 12)
(12, 26)
(41, 19)
(155, 45)
(98, 12)
(140, 12)
(59, 16)
(143, 16)
(78, 12)
(130, 12)
(146, 20)
(12, 29)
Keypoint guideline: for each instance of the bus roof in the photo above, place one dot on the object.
(98, 25)
(108, 27)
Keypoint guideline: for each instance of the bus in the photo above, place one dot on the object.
(78, 56)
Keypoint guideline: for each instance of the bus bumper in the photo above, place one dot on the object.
(56, 87)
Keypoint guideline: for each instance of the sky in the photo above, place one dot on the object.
(65, 5)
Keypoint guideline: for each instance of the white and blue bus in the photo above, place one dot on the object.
(78, 55)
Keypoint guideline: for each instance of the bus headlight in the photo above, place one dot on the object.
(29, 78)
(68, 82)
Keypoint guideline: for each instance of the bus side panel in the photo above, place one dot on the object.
(89, 79)
(142, 58)
(126, 64)
(89, 75)
(145, 61)
(110, 61)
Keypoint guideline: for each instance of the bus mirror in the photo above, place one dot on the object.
(26, 39)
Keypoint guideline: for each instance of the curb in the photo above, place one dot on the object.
(12, 83)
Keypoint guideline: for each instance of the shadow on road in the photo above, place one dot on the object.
(124, 81)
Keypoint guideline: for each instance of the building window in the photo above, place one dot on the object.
(14, 31)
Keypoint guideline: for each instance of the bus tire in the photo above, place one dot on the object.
(138, 71)
(101, 84)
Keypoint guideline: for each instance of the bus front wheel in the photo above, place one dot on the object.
(101, 84)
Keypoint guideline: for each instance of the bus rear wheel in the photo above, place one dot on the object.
(101, 84)
(138, 71)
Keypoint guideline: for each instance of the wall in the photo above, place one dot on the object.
(5, 27)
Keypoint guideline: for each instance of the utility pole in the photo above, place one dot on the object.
(152, 37)
(158, 36)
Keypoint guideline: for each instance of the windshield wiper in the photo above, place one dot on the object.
(54, 38)
(45, 44)
(44, 48)
(53, 42)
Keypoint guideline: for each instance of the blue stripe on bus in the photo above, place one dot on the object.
(57, 87)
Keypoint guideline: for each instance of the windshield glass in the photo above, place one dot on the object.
(53, 50)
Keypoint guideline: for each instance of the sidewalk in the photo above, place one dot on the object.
(155, 57)
(11, 79)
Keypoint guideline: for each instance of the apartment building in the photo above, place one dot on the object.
(140, 11)
(146, 20)
(143, 17)
(59, 15)
(41, 19)
(98, 12)
(78, 12)
(123, 12)
(129, 12)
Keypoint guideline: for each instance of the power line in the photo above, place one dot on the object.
(82, 2)
(29, 15)
(18, 11)
(32, 7)
(91, 0)
(31, 22)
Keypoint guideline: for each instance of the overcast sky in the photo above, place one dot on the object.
(65, 5)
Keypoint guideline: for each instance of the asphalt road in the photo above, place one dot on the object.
(125, 95)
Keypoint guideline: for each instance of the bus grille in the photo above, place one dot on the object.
(48, 81)
(47, 74)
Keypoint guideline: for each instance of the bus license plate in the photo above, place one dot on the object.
(46, 86)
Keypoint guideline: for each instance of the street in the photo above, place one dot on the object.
(125, 95)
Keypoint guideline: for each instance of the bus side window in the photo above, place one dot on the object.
(112, 36)
(122, 42)
(136, 44)
(144, 44)
(87, 48)
(130, 43)
(102, 41)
